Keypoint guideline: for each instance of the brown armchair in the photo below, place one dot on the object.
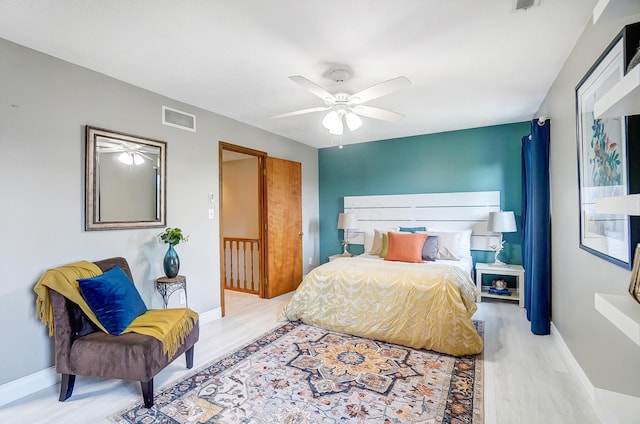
(83, 349)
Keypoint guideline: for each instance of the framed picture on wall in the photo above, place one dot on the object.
(634, 285)
(603, 160)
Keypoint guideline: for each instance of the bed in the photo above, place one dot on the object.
(422, 305)
(421, 302)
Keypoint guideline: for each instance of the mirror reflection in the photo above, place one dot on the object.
(125, 181)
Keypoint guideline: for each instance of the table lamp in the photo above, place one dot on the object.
(347, 221)
(501, 222)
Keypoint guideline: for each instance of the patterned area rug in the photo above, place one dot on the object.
(304, 374)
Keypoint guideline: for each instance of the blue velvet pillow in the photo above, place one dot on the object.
(113, 298)
(430, 248)
(412, 229)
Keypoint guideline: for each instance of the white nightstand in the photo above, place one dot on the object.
(517, 271)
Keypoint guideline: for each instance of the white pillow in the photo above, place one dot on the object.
(463, 240)
(376, 246)
(465, 243)
(368, 241)
(448, 245)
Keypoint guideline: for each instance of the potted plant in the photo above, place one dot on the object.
(171, 262)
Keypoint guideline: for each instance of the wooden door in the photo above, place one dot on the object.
(283, 238)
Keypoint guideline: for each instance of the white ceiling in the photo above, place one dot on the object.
(473, 63)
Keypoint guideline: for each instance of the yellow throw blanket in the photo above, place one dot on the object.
(169, 326)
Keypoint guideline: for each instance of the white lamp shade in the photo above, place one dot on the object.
(347, 221)
(333, 122)
(337, 130)
(501, 222)
(623, 205)
(330, 120)
(353, 121)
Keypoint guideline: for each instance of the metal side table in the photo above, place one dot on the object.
(166, 286)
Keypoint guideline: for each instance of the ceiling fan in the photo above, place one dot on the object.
(130, 153)
(344, 107)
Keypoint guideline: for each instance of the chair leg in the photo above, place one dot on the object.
(189, 356)
(147, 393)
(66, 386)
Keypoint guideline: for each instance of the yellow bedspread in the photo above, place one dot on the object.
(415, 305)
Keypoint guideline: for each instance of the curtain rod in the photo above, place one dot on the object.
(541, 120)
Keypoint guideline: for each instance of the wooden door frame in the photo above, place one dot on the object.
(261, 156)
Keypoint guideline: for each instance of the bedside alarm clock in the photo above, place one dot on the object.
(499, 284)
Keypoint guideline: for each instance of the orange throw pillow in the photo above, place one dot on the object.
(405, 247)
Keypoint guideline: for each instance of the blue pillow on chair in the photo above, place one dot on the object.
(113, 298)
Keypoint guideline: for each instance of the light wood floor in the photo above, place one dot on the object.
(526, 380)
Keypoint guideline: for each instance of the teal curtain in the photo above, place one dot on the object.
(536, 223)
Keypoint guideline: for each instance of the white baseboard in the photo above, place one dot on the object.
(617, 408)
(611, 407)
(24, 386)
(209, 316)
(571, 362)
(27, 385)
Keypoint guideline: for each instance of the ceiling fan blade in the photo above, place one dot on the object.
(302, 112)
(377, 113)
(314, 88)
(109, 144)
(379, 90)
(145, 156)
(110, 149)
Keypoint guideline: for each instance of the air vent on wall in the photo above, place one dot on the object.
(178, 119)
(524, 4)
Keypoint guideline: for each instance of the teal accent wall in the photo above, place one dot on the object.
(478, 159)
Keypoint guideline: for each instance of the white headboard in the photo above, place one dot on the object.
(443, 211)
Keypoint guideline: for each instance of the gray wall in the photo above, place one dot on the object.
(45, 104)
(607, 356)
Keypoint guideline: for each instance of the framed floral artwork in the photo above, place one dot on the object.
(602, 161)
(606, 146)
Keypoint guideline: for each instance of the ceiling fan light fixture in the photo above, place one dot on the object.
(130, 158)
(137, 159)
(125, 158)
(333, 122)
(330, 120)
(344, 108)
(353, 121)
(337, 129)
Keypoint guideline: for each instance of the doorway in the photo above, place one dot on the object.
(241, 220)
(260, 223)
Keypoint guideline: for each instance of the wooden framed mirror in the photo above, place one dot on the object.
(125, 181)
